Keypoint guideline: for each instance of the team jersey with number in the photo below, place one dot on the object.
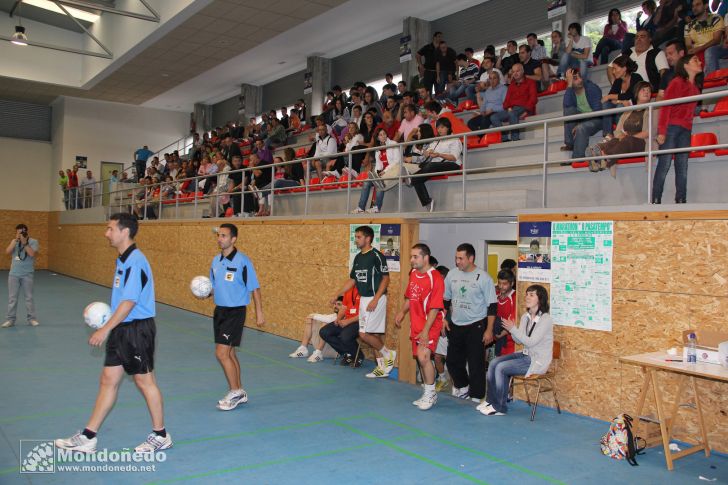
(368, 270)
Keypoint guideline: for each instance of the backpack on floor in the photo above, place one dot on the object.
(619, 443)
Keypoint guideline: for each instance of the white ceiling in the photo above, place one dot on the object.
(343, 29)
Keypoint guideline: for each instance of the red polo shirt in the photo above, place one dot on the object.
(523, 94)
(391, 130)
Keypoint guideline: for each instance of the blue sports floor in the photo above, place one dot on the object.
(304, 423)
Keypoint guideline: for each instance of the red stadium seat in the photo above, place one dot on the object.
(229, 212)
(716, 78)
(301, 152)
(626, 161)
(329, 180)
(493, 138)
(721, 109)
(344, 181)
(467, 105)
(721, 153)
(312, 184)
(554, 87)
(579, 164)
(360, 179)
(701, 140)
(474, 143)
(458, 125)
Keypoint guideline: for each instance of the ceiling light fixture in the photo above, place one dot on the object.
(75, 12)
(19, 37)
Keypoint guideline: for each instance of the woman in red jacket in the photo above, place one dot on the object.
(675, 127)
(614, 33)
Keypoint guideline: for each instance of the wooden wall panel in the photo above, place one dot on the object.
(299, 265)
(669, 274)
(37, 223)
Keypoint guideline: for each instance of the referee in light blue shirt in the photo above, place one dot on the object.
(129, 334)
(233, 280)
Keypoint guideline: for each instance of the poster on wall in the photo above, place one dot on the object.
(386, 239)
(307, 82)
(581, 274)
(405, 48)
(81, 161)
(555, 8)
(241, 104)
(389, 245)
(534, 255)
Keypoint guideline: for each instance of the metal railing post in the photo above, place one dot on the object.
(399, 189)
(194, 216)
(348, 187)
(271, 194)
(544, 182)
(649, 142)
(465, 157)
(308, 183)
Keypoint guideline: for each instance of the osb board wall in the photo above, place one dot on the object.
(300, 266)
(37, 223)
(668, 276)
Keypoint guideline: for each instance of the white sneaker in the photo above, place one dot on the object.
(232, 403)
(490, 411)
(461, 392)
(373, 210)
(358, 211)
(232, 394)
(417, 401)
(482, 405)
(77, 442)
(154, 443)
(299, 353)
(379, 370)
(7, 324)
(317, 356)
(389, 361)
(33, 323)
(428, 400)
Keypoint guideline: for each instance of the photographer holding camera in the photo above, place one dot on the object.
(23, 249)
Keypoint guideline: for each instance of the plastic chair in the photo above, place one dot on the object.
(301, 152)
(312, 184)
(701, 140)
(229, 212)
(542, 382)
(716, 78)
(579, 164)
(493, 138)
(720, 109)
(626, 161)
(344, 181)
(467, 105)
(329, 180)
(474, 143)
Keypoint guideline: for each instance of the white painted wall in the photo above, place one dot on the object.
(28, 178)
(110, 132)
(444, 238)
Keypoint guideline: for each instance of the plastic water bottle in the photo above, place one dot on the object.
(692, 354)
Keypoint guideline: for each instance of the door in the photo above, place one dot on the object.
(497, 252)
(106, 169)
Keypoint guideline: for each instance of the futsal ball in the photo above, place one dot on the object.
(201, 286)
(96, 314)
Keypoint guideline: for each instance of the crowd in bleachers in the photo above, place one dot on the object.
(675, 50)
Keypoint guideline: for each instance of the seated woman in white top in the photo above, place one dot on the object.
(389, 158)
(353, 140)
(536, 334)
(439, 156)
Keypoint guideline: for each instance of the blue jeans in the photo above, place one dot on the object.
(609, 120)
(364, 197)
(567, 61)
(512, 117)
(713, 55)
(582, 130)
(604, 47)
(499, 375)
(676, 137)
(457, 91)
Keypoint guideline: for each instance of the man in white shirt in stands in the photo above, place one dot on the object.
(578, 52)
(325, 149)
(88, 186)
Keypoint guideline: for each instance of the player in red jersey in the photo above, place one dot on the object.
(423, 300)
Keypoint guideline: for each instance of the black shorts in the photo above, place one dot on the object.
(131, 345)
(227, 325)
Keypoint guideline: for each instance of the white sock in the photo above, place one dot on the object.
(429, 388)
(317, 351)
(385, 351)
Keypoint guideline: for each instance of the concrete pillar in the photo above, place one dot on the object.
(320, 69)
(420, 32)
(203, 117)
(575, 13)
(251, 102)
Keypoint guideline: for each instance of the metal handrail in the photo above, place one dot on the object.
(648, 153)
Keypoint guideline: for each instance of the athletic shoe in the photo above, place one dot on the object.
(461, 393)
(379, 371)
(483, 405)
(417, 401)
(373, 210)
(441, 384)
(490, 411)
(7, 324)
(77, 442)
(428, 400)
(154, 443)
(358, 211)
(317, 356)
(33, 323)
(232, 394)
(346, 359)
(300, 352)
(233, 402)
(389, 361)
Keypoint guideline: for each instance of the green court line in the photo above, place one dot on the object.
(411, 454)
(471, 450)
(184, 397)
